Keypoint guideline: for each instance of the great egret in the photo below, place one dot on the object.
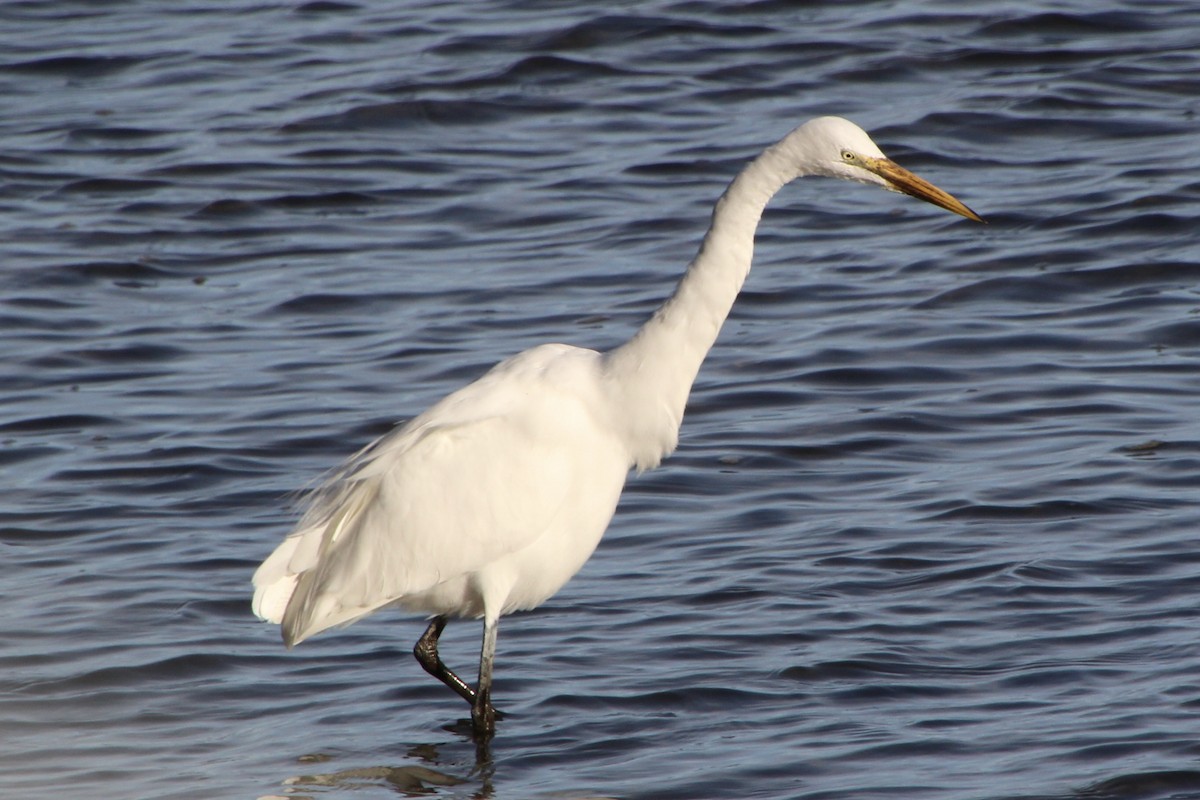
(488, 502)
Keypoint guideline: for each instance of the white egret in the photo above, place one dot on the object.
(488, 502)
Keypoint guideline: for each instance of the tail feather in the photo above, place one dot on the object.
(274, 582)
(291, 586)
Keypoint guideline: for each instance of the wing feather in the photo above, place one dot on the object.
(479, 476)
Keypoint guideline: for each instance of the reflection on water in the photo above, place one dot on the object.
(404, 780)
(411, 780)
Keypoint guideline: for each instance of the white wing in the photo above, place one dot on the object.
(479, 476)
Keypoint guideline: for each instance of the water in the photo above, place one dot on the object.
(930, 532)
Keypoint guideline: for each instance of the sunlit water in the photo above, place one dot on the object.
(931, 531)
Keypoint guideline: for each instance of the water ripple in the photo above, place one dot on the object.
(930, 530)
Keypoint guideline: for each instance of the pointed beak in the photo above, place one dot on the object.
(901, 180)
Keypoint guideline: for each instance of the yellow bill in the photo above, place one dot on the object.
(904, 181)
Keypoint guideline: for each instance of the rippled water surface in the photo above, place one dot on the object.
(931, 531)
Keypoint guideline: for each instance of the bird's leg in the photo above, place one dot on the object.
(427, 655)
(483, 716)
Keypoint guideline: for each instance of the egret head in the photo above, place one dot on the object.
(838, 148)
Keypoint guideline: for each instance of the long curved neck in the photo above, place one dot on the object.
(652, 374)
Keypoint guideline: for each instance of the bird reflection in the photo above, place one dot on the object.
(411, 781)
(408, 780)
(432, 772)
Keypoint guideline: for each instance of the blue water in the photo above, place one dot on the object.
(931, 529)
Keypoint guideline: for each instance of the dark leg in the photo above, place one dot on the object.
(427, 655)
(483, 716)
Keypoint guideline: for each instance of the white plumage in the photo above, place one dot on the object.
(476, 504)
(490, 501)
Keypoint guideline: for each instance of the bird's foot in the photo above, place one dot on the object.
(483, 721)
(483, 718)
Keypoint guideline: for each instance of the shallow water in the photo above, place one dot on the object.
(930, 531)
